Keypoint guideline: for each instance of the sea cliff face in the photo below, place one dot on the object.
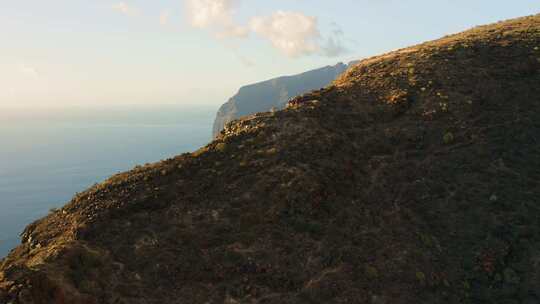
(274, 94)
(412, 178)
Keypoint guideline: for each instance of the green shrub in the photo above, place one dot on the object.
(448, 138)
(221, 147)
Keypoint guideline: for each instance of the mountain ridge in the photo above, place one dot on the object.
(411, 178)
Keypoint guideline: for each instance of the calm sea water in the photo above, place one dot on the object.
(46, 157)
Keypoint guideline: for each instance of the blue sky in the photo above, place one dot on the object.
(84, 53)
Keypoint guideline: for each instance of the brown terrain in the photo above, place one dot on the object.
(414, 178)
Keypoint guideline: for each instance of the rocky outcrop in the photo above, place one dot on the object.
(273, 94)
(413, 178)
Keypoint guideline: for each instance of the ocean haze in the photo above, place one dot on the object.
(46, 157)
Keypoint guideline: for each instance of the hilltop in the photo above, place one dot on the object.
(413, 178)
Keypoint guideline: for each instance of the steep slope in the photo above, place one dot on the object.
(274, 93)
(414, 178)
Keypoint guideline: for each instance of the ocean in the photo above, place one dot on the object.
(47, 156)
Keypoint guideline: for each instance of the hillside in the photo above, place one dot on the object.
(273, 94)
(413, 178)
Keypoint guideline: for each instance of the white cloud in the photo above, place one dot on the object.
(216, 15)
(164, 17)
(204, 13)
(125, 9)
(294, 34)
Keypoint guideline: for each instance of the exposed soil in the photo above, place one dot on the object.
(414, 178)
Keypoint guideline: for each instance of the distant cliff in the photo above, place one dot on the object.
(274, 93)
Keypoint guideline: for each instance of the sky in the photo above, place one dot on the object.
(64, 53)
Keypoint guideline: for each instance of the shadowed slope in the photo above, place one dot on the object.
(412, 179)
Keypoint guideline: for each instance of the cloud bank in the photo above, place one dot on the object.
(292, 33)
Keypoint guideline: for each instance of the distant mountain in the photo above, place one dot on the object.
(274, 93)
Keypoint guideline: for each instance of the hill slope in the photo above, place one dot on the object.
(414, 178)
(274, 93)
